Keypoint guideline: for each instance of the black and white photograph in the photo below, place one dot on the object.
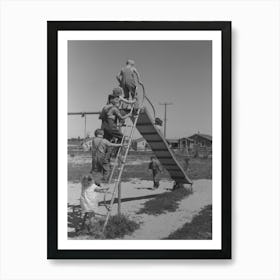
(156, 161)
(141, 112)
(132, 140)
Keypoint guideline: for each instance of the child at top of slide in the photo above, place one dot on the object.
(127, 79)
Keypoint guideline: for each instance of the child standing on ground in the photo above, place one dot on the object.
(156, 169)
(89, 200)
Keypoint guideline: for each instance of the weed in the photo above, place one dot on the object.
(117, 227)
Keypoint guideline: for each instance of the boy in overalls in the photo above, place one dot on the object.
(110, 115)
(100, 152)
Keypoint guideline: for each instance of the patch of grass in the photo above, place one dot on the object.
(199, 228)
(198, 168)
(165, 202)
(117, 227)
(75, 172)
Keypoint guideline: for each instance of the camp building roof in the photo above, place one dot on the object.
(205, 136)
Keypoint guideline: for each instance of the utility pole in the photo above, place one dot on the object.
(165, 104)
(85, 127)
(84, 115)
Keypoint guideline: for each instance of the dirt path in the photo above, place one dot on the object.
(137, 192)
(160, 226)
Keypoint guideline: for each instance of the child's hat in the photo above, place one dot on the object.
(86, 179)
(97, 180)
(131, 62)
(117, 91)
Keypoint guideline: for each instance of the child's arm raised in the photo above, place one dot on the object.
(119, 77)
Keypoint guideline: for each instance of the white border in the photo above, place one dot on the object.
(63, 37)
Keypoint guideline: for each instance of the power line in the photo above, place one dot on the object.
(165, 104)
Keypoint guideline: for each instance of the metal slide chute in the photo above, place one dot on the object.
(145, 125)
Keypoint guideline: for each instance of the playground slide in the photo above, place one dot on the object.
(159, 145)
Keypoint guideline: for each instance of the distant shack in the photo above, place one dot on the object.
(184, 143)
(197, 145)
(202, 145)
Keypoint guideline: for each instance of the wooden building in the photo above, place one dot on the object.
(202, 145)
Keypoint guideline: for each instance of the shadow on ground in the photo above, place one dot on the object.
(199, 228)
(164, 202)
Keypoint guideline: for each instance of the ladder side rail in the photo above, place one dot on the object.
(121, 171)
(116, 160)
(119, 151)
(134, 124)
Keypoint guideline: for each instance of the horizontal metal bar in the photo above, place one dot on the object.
(83, 113)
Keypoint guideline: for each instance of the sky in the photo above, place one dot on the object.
(172, 71)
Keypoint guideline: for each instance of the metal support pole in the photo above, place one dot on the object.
(165, 115)
(119, 199)
(85, 127)
(164, 120)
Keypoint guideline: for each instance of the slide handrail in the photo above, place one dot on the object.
(145, 97)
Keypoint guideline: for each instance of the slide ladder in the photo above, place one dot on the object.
(144, 122)
(121, 158)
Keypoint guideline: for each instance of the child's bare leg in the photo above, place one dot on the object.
(91, 217)
(84, 220)
(156, 180)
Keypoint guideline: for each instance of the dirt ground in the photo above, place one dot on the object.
(160, 213)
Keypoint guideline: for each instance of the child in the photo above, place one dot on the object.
(101, 154)
(118, 92)
(155, 167)
(110, 115)
(127, 79)
(125, 105)
(89, 201)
